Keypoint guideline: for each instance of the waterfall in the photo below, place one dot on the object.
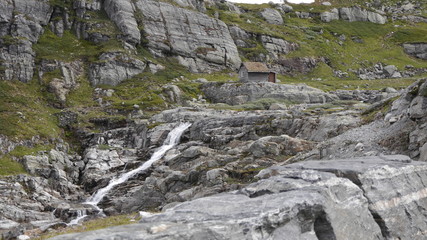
(171, 140)
(81, 213)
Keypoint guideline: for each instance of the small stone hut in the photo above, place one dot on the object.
(256, 72)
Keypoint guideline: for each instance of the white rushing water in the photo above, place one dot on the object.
(80, 215)
(171, 140)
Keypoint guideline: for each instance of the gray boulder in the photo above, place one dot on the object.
(330, 16)
(418, 50)
(113, 68)
(272, 16)
(389, 70)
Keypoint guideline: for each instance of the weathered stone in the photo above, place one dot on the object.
(272, 16)
(227, 93)
(277, 46)
(23, 21)
(201, 43)
(352, 14)
(121, 12)
(330, 16)
(173, 93)
(336, 199)
(418, 50)
(114, 68)
(389, 70)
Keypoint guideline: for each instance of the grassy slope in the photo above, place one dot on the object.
(381, 43)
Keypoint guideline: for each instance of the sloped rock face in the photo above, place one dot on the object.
(418, 50)
(292, 66)
(121, 12)
(357, 198)
(353, 14)
(385, 182)
(272, 16)
(70, 73)
(113, 68)
(408, 115)
(201, 43)
(277, 46)
(22, 21)
(235, 93)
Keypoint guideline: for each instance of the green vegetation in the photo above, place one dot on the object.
(381, 108)
(8, 163)
(24, 112)
(10, 167)
(61, 3)
(95, 224)
(66, 48)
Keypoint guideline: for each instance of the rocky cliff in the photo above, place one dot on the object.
(91, 90)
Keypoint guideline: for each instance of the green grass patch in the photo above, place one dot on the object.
(24, 112)
(66, 48)
(410, 34)
(335, 84)
(21, 151)
(10, 167)
(95, 224)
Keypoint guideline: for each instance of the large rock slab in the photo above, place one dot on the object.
(361, 198)
(394, 186)
(238, 93)
(199, 42)
(121, 12)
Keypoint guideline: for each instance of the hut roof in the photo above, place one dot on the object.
(256, 67)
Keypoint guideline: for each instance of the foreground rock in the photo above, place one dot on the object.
(238, 93)
(338, 199)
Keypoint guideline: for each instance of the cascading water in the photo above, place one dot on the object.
(171, 140)
(80, 215)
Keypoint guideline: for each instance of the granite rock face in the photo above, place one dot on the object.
(357, 198)
(199, 42)
(113, 68)
(23, 22)
(353, 14)
(418, 50)
(277, 46)
(121, 12)
(272, 16)
(234, 94)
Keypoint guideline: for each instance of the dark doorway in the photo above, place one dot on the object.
(272, 77)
